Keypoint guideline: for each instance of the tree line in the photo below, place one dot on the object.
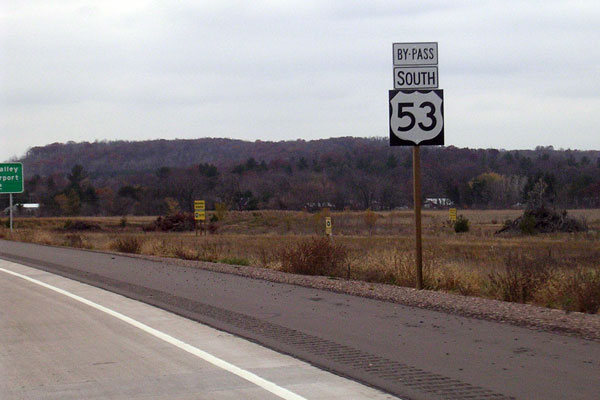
(341, 173)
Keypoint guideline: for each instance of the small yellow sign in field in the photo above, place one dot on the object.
(452, 214)
(328, 226)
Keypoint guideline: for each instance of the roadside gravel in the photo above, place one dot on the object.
(585, 326)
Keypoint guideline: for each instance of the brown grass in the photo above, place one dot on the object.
(315, 256)
(555, 270)
(127, 244)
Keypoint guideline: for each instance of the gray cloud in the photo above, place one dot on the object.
(516, 74)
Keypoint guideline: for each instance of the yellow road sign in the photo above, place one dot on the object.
(199, 215)
(328, 225)
(199, 205)
(452, 214)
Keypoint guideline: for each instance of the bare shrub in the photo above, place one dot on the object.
(461, 224)
(128, 244)
(520, 278)
(315, 256)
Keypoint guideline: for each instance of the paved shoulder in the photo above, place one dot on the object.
(65, 340)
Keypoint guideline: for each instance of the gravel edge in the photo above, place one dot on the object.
(575, 324)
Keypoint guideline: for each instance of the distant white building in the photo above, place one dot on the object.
(319, 205)
(25, 208)
(438, 202)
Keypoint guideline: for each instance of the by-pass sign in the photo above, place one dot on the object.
(416, 106)
(415, 65)
(11, 178)
(415, 53)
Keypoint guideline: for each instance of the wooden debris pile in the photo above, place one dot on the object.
(543, 220)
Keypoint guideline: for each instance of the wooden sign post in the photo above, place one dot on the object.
(417, 201)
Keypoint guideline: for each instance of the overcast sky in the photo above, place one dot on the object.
(515, 74)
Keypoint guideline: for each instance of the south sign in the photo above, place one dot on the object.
(415, 77)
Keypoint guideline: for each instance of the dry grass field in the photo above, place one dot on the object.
(559, 270)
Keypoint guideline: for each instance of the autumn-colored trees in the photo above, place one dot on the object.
(148, 178)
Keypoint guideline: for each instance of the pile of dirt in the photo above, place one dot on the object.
(543, 220)
(172, 223)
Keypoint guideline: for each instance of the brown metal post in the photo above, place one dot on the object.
(417, 205)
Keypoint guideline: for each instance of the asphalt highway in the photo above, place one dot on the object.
(409, 352)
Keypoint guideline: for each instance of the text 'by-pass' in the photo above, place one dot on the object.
(415, 54)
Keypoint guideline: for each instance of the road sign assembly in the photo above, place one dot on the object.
(416, 115)
(11, 181)
(416, 106)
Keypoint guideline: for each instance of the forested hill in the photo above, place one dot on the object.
(125, 156)
(144, 177)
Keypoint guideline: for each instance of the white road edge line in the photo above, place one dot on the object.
(242, 373)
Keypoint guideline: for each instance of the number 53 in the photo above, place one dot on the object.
(411, 116)
(416, 116)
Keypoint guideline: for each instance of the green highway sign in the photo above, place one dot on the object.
(11, 178)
